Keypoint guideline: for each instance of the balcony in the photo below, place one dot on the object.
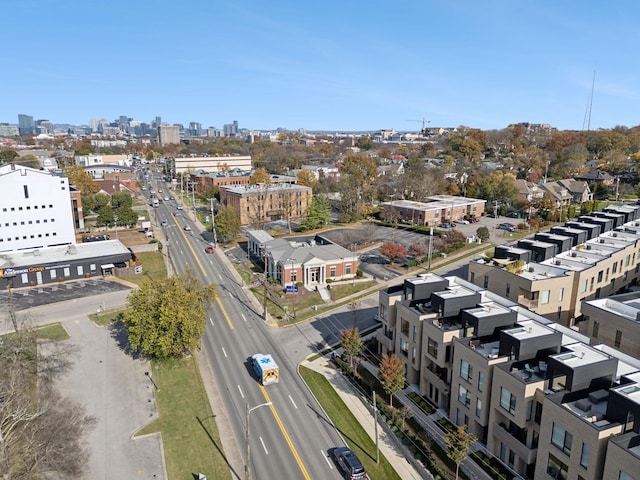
(515, 442)
(527, 302)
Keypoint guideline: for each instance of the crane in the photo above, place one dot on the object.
(423, 131)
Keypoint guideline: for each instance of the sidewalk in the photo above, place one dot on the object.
(362, 412)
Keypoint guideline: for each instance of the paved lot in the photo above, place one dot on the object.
(108, 381)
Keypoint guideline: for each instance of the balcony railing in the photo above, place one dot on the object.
(518, 446)
(527, 302)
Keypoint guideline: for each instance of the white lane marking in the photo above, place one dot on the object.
(326, 458)
(211, 322)
(241, 394)
(294, 403)
(225, 352)
(232, 295)
(264, 446)
(243, 317)
(220, 276)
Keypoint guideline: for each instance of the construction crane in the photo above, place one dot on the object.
(423, 131)
(586, 124)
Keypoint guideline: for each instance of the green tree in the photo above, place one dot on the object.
(101, 200)
(483, 233)
(318, 213)
(351, 343)
(227, 223)
(166, 318)
(365, 143)
(391, 374)
(459, 444)
(105, 217)
(121, 198)
(7, 156)
(125, 216)
(29, 160)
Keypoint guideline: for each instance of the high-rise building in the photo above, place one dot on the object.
(168, 135)
(26, 126)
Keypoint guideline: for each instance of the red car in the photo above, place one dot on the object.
(209, 250)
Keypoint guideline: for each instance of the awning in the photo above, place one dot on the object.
(107, 266)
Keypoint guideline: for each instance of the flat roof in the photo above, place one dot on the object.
(529, 329)
(62, 254)
(580, 355)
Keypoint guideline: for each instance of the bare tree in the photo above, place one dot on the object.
(40, 431)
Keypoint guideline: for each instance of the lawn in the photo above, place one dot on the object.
(187, 424)
(103, 319)
(350, 429)
(53, 331)
(153, 268)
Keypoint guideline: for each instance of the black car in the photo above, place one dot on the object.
(349, 464)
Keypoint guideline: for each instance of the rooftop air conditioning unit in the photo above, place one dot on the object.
(588, 247)
(530, 269)
(614, 234)
(601, 240)
(558, 262)
(574, 254)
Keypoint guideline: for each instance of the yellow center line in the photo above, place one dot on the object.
(285, 434)
(224, 312)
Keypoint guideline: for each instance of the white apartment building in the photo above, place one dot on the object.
(35, 209)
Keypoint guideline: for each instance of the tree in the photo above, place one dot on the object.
(228, 224)
(483, 233)
(166, 318)
(83, 181)
(124, 216)
(105, 217)
(391, 374)
(389, 214)
(121, 198)
(365, 143)
(418, 249)
(393, 250)
(7, 156)
(351, 343)
(260, 175)
(458, 444)
(307, 178)
(318, 213)
(40, 431)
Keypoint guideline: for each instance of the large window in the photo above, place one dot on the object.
(557, 469)
(480, 381)
(544, 298)
(404, 327)
(432, 347)
(466, 371)
(463, 396)
(561, 439)
(584, 456)
(404, 347)
(507, 400)
(478, 407)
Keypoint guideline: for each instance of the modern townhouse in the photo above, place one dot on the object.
(534, 392)
(552, 273)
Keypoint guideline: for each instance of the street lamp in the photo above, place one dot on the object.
(213, 225)
(247, 465)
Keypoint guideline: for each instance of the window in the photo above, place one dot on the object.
(600, 275)
(415, 333)
(485, 284)
(583, 286)
(503, 451)
(615, 267)
(466, 371)
(294, 275)
(480, 381)
(596, 327)
(348, 269)
(529, 410)
(624, 476)
(26, 191)
(478, 407)
(618, 339)
(561, 294)
(404, 327)
(561, 439)
(584, 456)
(627, 260)
(508, 290)
(432, 347)
(544, 298)
(332, 271)
(507, 401)
(404, 347)
(463, 396)
(473, 277)
(557, 469)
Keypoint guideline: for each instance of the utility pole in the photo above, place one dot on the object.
(375, 424)
(12, 307)
(266, 268)
(247, 434)
(430, 247)
(213, 225)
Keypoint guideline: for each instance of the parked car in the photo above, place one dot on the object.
(349, 463)
(462, 221)
(507, 226)
(445, 225)
(474, 219)
(491, 215)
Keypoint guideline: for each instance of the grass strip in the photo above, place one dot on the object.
(189, 433)
(356, 437)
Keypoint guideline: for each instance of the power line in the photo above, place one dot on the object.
(587, 115)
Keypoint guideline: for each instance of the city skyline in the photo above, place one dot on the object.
(339, 68)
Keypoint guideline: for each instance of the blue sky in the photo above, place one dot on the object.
(328, 65)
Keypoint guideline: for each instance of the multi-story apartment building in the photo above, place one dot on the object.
(536, 393)
(553, 273)
(263, 203)
(440, 208)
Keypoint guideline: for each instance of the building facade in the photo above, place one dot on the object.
(211, 164)
(441, 208)
(168, 135)
(263, 203)
(537, 395)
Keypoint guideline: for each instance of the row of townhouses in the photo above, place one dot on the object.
(542, 397)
